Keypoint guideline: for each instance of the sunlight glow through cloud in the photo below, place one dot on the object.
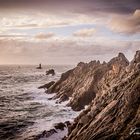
(80, 31)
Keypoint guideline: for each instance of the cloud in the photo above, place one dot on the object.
(84, 32)
(21, 20)
(128, 24)
(63, 50)
(44, 35)
(71, 13)
(78, 6)
(12, 36)
(27, 25)
(34, 16)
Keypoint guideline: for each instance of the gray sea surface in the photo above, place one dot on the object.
(24, 109)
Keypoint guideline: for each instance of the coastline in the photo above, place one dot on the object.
(106, 90)
(59, 130)
(74, 103)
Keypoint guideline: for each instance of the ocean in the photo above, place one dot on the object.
(24, 109)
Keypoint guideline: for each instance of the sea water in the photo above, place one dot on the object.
(24, 109)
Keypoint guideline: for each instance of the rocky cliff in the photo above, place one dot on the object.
(82, 82)
(115, 111)
(112, 91)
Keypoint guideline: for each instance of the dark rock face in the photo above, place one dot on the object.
(67, 123)
(82, 82)
(48, 85)
(60, 126)
(136, 57)
(44, 134)
(50, 72)
(63, 98)
(114, 114)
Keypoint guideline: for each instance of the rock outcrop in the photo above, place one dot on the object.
(81, 83)
(114, 114)
(46, 86)
(56, 130)
(39, 67)
(50, 72)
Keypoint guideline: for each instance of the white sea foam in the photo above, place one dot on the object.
(58, 113)
(56, 136)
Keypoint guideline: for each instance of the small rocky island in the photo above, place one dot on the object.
(50, 72)
(111, 92)
(39, 67)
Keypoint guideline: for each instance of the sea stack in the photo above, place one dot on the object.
(39, 67)
(50, 72)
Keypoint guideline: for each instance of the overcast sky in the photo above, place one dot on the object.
(67, 31)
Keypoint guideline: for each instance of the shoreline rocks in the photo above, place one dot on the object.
(58, 128)
(50, 72)
(46, 86)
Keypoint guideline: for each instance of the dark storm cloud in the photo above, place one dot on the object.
(77, 6)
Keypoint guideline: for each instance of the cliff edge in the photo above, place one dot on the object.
(81, 84)
(111, 91)
(114, 114)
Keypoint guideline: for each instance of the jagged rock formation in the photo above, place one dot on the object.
(81, 83)
(112, 91)
(50, 72)
(114, 114)
(46, 86)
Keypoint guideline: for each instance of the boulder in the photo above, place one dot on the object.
(60, 126)
(50, 72)
(67, 123)
(46, 134)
